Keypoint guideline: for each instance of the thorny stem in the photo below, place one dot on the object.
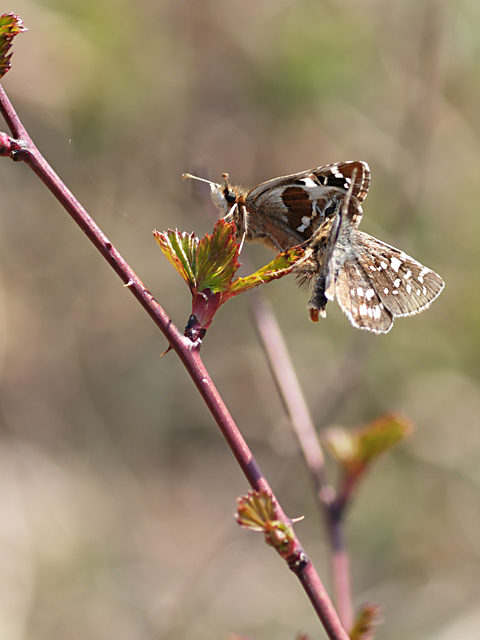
(296, 407)
(22, 148)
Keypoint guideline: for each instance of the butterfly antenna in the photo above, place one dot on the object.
(226, 177)
(189, 175)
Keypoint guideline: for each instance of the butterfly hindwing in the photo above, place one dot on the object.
(359, 300)
(404, 285)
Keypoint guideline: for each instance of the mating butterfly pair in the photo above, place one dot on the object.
(372, 281)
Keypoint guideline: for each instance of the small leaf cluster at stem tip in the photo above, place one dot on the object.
(355, 450)
(10, 26)
(208, 267)
(256, 511)
(368, 619)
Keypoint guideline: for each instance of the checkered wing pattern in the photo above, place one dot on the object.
(378, 283)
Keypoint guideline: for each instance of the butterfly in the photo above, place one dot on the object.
(320, 209)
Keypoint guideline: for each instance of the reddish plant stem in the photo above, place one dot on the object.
(22, 148)
(303, 568)
(10, 116)
(296, 407)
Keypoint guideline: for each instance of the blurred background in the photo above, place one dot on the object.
(117, 492)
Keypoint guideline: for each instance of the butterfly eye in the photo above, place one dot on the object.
(230, 197)
(330, 210)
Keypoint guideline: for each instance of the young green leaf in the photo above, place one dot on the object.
(180, 249)
(256, 511)
(281, 266)
(367, 621)
(217, 258)
(10, 26)
(208, 267)
(356, 449)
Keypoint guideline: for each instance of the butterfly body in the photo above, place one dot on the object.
(372, 281)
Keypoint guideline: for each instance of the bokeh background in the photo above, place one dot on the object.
(117, 492)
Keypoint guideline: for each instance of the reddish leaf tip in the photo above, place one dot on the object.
(10, 26)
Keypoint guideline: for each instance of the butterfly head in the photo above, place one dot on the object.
(224, 196)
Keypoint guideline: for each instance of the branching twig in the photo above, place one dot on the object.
(21, 148)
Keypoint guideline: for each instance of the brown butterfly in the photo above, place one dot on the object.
(321, 209)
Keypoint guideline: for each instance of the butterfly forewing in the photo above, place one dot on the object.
(340, 174)
(336, 175)
(300, 202)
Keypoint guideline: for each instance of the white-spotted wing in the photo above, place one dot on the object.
(378, 283)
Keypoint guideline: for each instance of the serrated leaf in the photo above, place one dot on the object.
(217, 258)
(180, 249)
(281, 266)
(10, 26)
(209, 263)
